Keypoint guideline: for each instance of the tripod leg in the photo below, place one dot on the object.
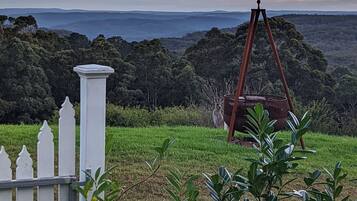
(243, 70)
(249, 51)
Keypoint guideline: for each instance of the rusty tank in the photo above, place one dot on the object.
(278, 108)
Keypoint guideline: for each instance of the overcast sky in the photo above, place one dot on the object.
(183, 5)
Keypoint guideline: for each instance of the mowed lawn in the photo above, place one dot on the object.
(196, 150)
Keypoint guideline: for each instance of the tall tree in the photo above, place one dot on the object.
(184, 88)
(63, 81)
(153, 71)
(3, 18)
(119, 85)
(346, 91)
(218, 56)
(25, 95)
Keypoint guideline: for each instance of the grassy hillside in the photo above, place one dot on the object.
(196, 150)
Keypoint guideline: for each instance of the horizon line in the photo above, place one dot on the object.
(173, 11)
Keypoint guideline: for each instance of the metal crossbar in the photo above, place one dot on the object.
(30, 183)
(27, 183)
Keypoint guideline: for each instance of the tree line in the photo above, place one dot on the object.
(36, 69)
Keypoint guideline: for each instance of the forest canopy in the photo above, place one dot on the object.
(36, 69)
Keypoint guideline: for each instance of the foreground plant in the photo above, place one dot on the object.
(266, 177)
(96, 186)
(332, 186)
(180, 189)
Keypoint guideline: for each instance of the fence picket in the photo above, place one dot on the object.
(24, 170)
(45, 161)
(92, 145)
(5, 174)
(66, 146)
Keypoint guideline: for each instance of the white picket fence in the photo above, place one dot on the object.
(45, 161)
(92, 146)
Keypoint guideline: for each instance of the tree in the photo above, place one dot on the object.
(346, 91)
(24, 21)
(63, 81)
(185, 89)
(125, 48)
(214, 57)
(153, 72)
(77, 41)
(120, 90)
(3, 18)
(218, 55)
(24, 94)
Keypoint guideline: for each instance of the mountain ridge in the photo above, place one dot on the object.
(76, 20)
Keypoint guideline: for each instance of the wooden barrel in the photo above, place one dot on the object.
(278, 108)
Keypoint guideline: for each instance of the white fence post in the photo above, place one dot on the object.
(92, 118)
(66, 146)
(45, 161)
(5, 174)
(24, 170)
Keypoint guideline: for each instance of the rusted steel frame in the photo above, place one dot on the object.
(280, 66)
(243, 69)
(250, 47)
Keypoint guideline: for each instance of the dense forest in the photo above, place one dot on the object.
(36, 70)
(334, 35)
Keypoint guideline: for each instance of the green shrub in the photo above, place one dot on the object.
(127, 117)
(327, 120)
(140, 117)
(171, 116)
(323, 116)
(186, 116)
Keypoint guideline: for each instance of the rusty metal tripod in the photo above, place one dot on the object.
(253, 24)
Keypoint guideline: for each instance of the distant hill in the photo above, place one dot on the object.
(130, 25)
(335, 35)
(140, 25)
(135, 29)
(22, 11)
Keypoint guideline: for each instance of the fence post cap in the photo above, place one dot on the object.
(93, 70)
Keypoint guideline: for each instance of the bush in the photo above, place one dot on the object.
(171, 116)
(327, 120)
(139, 117)
(323, 116)
(185, 116)
(128, 117)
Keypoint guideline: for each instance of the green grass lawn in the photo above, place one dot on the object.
(196, 150)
